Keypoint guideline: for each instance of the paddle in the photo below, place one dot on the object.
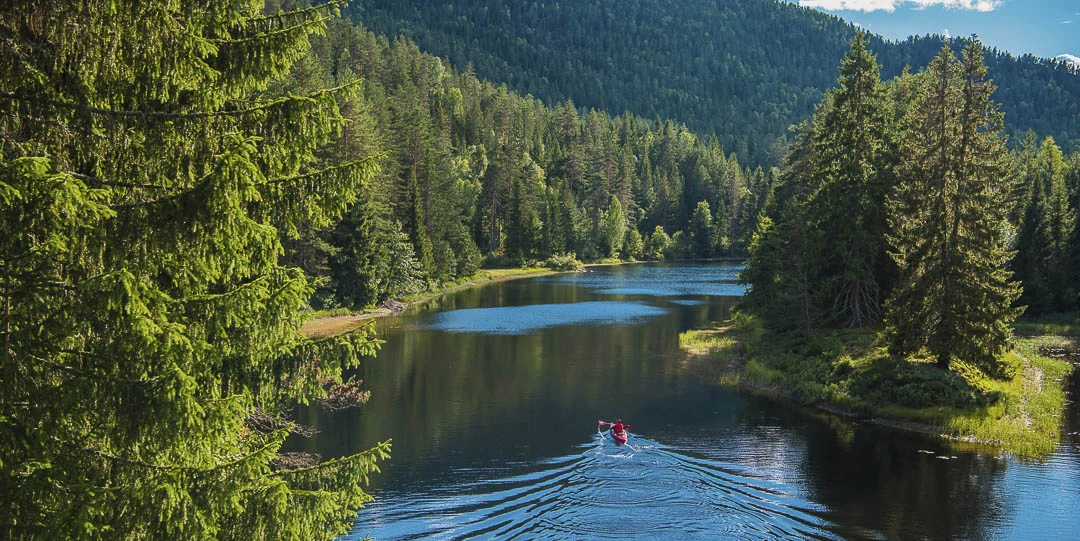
(603, 422)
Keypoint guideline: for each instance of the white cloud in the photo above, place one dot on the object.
(946, 34)
(1069, 59)
(891, 5)
(1069, 21)
(855, 5)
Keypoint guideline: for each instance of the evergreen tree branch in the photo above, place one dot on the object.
(92, 375)
(381, 451)
(365, 162)
(303, 27)
(167, 115)
(279, 17)
(100, 182)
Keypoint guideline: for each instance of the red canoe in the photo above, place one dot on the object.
(620, 437)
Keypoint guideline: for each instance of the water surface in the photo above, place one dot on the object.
(492, 396)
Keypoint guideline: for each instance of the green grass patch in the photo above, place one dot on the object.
(851, 370)
(608, 261)
(1064, 324)
(328, 312)
(1026, 419)
(501, 274)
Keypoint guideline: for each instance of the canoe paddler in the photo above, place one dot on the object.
(617, 426)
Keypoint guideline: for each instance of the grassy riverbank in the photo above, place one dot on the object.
(1065, 325)
(331, 322)
(850, 373)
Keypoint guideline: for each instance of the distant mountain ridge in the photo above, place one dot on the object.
(742, 69)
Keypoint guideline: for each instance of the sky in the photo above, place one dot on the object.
(1046, 28)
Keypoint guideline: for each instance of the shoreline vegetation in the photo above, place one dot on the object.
(850, 374)
(903, 218)
(332, 322)
(326, 323)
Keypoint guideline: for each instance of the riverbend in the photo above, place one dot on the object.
(492, 394)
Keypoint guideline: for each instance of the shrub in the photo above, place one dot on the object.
(563, 262)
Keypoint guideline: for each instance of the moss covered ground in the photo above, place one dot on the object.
(850, 372)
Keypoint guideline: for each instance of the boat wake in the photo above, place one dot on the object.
(640, 490)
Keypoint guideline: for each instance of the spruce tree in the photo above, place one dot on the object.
(853, 161)
(1072, 184)
(414, 225)
(633, 244)
(517, 245)
(657, 243)
(955, 296)
(701, 231)
(776, 270)
(354, 268)
(1023, 163)
(146, 180)
(613, 228)
(1044, 258)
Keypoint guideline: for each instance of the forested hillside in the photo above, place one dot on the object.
(471, 170)
(742, 69)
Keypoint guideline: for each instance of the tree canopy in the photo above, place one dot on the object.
(744, 70)
(473, 173)
(148, 174)
(955, 296)
(907, 217)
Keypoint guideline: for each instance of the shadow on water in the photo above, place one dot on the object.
(491, 419)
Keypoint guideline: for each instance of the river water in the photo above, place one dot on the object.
(491, 396)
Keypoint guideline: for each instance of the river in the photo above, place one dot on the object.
(492, 395)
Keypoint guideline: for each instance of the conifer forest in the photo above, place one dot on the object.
(182, 185)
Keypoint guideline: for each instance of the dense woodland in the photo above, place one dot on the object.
(900, 205)
(742, 69)
(150, 332)
(179, 185)
(473, 173)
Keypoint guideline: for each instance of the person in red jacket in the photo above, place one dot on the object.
(617, 426)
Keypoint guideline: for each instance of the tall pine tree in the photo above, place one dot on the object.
(955, 296)
(701, 230)
(853, 159)
(146, 179)
(612, 228)
(1044, 259)
(777, 270)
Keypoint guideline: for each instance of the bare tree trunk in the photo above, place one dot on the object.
(493, 229)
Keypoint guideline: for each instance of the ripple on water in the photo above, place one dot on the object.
(605, 492)
(688, 302)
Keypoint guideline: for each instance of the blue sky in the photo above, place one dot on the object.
(1046, 28)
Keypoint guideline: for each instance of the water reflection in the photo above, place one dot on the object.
(525, 319)
(659, 281)
(494, 437)
(687, 302)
